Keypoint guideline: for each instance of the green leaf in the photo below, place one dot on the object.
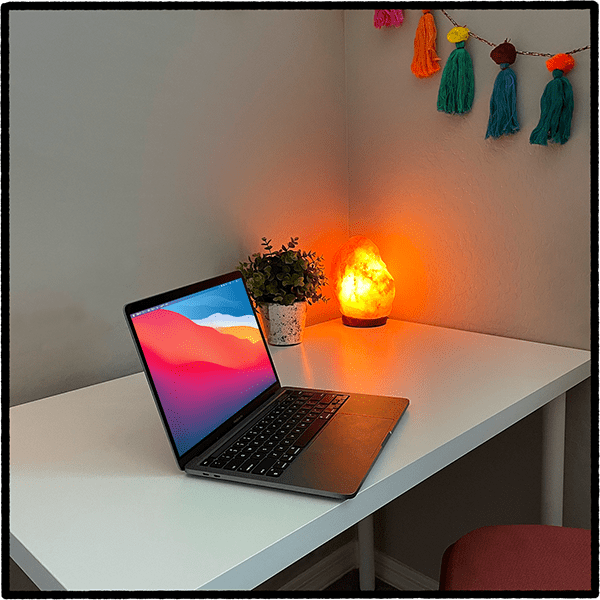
(285, 275)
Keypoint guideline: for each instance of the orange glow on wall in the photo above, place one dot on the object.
(362, 284)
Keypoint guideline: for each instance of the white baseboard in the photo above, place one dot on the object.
(401, 576)
(329, 569)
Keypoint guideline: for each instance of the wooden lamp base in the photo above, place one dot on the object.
(354, 322)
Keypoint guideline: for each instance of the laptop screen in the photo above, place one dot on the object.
(206, 357)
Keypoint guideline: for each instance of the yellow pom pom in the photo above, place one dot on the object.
(458, 34)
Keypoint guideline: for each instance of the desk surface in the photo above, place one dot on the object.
(97, 501)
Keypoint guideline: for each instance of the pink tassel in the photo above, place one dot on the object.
(388, 18)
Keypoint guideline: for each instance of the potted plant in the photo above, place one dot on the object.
(282, 283)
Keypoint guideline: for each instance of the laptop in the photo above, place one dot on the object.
(223, 407)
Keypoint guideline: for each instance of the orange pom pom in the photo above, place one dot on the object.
(564, 62)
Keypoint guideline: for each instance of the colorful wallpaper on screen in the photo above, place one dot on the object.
(206, 357)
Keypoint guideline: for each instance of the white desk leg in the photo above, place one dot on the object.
(553, 460)
(366, 554)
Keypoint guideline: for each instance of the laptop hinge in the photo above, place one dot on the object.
(237, 430)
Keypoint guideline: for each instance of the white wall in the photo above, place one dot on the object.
(484, 235)
(151, 149)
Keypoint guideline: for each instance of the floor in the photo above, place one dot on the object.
(18, 581)
(349, 583)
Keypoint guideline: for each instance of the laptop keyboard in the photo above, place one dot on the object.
(269, 447)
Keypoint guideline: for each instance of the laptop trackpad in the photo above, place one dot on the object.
(339, 457)
(375, 406)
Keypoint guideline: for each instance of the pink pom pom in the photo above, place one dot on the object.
(396, 18)
(388, 18)
(379, 18)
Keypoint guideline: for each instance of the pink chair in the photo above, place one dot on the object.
(519, 557)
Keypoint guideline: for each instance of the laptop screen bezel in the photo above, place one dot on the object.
(154, 301)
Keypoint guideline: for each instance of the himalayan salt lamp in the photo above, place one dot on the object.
(362, 284)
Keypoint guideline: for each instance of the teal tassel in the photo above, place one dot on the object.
(556, 112)
(503, 104)
(457, 87)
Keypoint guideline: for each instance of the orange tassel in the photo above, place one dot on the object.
(425, 60)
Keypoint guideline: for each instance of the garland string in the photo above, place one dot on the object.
(471, 34)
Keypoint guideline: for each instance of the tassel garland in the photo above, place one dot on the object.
(503, 103)
(425, 60)
(388, 18)
(556, 104)
(457, 87)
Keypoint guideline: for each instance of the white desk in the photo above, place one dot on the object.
(97, 502)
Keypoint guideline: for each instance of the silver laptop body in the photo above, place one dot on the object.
(224, 410)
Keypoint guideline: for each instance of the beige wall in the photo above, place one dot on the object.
(151, 149)
(485, 235)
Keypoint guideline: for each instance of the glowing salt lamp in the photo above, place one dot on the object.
(363, 285)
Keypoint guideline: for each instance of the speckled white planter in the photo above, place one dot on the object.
(283, 325)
